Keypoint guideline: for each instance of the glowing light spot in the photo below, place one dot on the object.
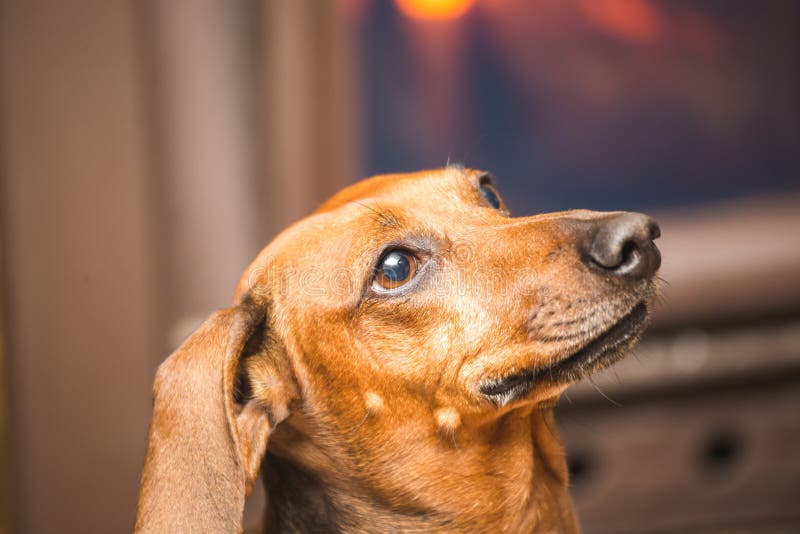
(635, 20)
(434, 9)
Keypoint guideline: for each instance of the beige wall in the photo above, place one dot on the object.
(139, 168)
(80, 280)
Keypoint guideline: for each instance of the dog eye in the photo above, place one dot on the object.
(395, 268)
(490, 195)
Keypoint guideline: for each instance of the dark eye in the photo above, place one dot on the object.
(395, 268)
(490, 194)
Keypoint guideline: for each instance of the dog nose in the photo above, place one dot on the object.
(622, 245)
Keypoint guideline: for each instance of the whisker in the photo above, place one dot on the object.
(663, 301)
(609, 399)
(381, 217)
(364, 420)
(616, 375)
(552, 432)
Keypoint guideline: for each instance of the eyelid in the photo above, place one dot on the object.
(422, 246)
(486, 178)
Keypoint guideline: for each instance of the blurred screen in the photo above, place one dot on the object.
(596, 104)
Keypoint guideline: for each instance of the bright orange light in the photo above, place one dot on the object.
(637, 20)
(434, 9)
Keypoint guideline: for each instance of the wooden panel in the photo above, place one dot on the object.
(80, 287)
(5, 525)
(707, 461)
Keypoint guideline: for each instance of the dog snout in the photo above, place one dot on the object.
(622, 245)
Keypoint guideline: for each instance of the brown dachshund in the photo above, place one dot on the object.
(390, 363)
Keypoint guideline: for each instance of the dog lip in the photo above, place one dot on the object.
(606, 343)
(603, 345)
(503, 386)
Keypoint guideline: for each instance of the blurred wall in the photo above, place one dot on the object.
(79, 248)
(147, 151)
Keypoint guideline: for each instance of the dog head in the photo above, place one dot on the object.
(425, 284)
(416, 299)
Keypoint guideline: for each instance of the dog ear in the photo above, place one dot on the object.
(207, 434)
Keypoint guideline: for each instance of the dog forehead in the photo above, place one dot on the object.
(355, 219)
(416, 187)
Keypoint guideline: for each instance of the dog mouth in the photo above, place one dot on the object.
(602, 351)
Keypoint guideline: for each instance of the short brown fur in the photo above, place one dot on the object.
(364, 411)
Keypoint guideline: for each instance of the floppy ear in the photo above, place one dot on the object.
(205, 448)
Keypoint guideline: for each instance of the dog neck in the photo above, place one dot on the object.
(508, 475)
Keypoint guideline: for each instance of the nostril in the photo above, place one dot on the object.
(622, 245)
(614, 257)
(630, 251)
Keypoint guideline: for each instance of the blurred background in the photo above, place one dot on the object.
(149, 149)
